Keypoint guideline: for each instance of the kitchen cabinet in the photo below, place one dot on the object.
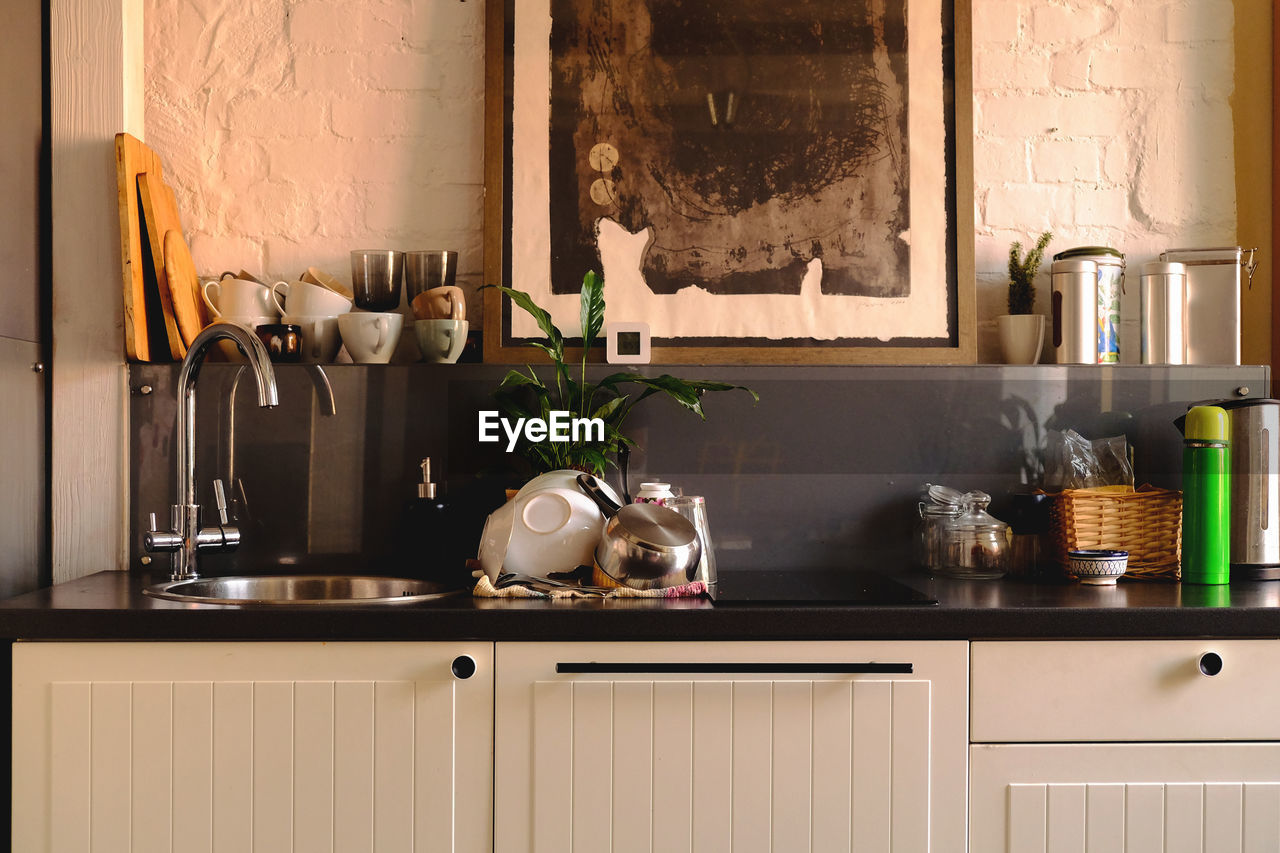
(211, 746)
(1124, 746)
(723, 746)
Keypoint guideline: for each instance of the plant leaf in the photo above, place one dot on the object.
(591, 308)
(608, 409)
(543, 319)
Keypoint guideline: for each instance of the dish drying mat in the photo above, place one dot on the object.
(484, 588)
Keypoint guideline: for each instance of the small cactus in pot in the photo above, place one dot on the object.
(1021, 332)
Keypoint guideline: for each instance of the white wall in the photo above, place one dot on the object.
(296, 131)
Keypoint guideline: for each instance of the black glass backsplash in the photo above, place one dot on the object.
(824, 471)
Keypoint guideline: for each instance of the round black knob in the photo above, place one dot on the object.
(1211, 663)
(464, 666)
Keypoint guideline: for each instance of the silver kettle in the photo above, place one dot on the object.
(1255, 488)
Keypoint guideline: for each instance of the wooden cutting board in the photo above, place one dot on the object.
(184, 286)
(160, 215)
(133, 159)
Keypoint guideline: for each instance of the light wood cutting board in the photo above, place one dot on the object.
(184, 287)
(160, 213)
(133, 159)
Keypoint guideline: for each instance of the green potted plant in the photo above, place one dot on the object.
(1022, 332)
(525, 394)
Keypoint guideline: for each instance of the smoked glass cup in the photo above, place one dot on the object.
(375, 278)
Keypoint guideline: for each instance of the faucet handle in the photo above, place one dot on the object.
(220, 499)
(155, 540)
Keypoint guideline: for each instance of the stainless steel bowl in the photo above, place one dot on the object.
(313, 590)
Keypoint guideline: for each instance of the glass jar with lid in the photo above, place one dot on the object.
(977, 545)
(940, 506)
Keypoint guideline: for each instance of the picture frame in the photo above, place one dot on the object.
(893, 284)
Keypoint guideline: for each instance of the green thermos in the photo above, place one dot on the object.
(1206, 496)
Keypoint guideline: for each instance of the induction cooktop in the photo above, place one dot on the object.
(814, 587)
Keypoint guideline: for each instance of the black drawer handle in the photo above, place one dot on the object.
(1211, 663)
(464, 666)
(736, 668)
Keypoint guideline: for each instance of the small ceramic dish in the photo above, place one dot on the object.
(1097, 567)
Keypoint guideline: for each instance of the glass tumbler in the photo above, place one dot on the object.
(694, 508)
(375, 278)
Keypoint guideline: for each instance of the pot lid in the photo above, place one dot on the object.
(1089, 252)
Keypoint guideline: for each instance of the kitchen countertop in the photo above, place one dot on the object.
(111, 606)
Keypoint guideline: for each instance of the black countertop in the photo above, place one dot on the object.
(111, 606)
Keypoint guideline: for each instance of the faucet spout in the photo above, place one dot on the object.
(187, 538)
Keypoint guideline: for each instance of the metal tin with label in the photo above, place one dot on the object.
(1213, 301)
(1110, 287)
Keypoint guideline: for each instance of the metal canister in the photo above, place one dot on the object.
(1110, 288)
(1164, 313)
(1213, 301)
(1075, 312)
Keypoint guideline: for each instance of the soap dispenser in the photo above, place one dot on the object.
(428, 545)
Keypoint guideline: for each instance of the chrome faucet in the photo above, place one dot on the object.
(187, 538)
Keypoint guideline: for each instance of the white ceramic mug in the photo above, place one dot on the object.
(235, 297)
(320, 338)
(441, 341)
(370, 336)
(302, 299)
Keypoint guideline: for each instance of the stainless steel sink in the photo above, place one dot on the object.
(312, 590)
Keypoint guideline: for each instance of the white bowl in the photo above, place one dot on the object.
(549, 526)
(1097, 567)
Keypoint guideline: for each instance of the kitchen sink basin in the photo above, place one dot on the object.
(312, 590)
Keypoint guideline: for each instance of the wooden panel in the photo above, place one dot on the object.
(1067, 816)
(633, 782)
(313, 739)
(793, 748)
(193, 767)
(1223, 817)
(1104, 830)
(272, 765)
(712, 764)
(23, 521)
(872, 764)
(1184, 818)
(1028, 818)
(152, 767)
(1038, 691)
(393, 764)
(232, 766)
(67, 823)
(592, 766)
(752, 726)
(241, 765)
(110, 760)
(95, 90)
(832, 783)
(353, 767)
(672, 819)
(1144, 818)
(1261, 818)
(1135, 798)
(552, 779)
(717, 762)
(912, 731)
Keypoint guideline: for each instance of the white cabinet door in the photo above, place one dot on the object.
(206, 747)
(1125, 798)
(730, 746)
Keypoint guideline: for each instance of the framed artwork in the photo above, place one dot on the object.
(759, 182)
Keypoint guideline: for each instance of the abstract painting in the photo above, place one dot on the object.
(756, 180)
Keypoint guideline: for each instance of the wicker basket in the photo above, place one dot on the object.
(1147, 523)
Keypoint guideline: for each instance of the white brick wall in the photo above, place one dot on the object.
(296, 131)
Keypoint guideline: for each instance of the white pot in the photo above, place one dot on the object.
(1021, 337)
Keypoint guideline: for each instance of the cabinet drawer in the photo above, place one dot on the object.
(1161, 690)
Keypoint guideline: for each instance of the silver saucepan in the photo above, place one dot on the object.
(644, 546)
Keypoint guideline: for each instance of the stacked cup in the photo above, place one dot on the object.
(439, 308)
(315, 309)
(240, 300)
(371, 334)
